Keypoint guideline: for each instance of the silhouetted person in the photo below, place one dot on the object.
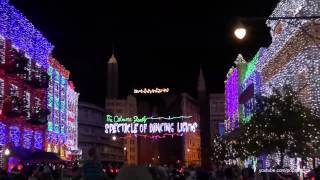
(92, 168)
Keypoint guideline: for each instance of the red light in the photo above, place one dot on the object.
(111, 170)
(20, 167)
(117, 170)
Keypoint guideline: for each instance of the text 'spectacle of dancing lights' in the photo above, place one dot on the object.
(149, 125)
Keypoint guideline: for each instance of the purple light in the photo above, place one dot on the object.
(23, 35)
(27, 138)
(38, 140)
(232, 97)
(2, 134)
(15, 135)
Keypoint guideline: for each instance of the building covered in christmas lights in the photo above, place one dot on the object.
(292, 58)
(34, 99)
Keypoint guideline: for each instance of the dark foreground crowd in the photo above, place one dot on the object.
(92, 169)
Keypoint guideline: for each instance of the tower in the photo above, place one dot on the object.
(112, 77)
(204, 120)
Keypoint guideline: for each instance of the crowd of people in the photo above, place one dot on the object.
(92, 169)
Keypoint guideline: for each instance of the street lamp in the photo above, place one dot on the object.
(7, 152)
(114, 138)
(125, 148)
(188, 150)
(240, 32)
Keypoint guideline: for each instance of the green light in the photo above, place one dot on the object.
(56, 128)
(62, 106)
(57, 76)
(250, 67)
(56, 104)
(247, 119)
(50, 71)
(50, 126)
(118, 119)
(50, 100)
(136, 119)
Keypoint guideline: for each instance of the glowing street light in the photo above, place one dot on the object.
(114, 138)
(188, 150)
(7, 152)
(125, 148)
(240, 32)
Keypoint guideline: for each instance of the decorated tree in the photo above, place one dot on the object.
(219, 149)
(280, 123)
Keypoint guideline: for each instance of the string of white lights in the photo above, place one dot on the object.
(169, 118)
(151, 91)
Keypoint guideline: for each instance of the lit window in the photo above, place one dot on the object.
(14, 90)
(2, 50)
(1, 87)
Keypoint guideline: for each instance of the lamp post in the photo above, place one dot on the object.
(6, 156)
(7, 152)
(125, 154)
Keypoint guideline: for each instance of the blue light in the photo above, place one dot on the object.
(3, 134)
(23, 35)
(15, 135)
(27, 138)
(38, 140)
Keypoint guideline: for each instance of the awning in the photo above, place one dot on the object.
(42, 156)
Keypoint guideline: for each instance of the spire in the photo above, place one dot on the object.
(201, 81)
(112, 59)
(239, 60)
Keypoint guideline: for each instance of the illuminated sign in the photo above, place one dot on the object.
(149, 125)
(151, 91)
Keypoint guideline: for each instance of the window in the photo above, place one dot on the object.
(2, 51)
(37, 102)
(214, 107)
(14, 90)
(27, 98)
(27, 102)
(1, 87)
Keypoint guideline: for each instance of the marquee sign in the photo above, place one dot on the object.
(149, 125)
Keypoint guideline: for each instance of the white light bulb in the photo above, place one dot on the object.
(7, 152)
(240, 33)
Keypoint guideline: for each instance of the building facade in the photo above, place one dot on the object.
(293, 56)
(191, 141)
(91, 133)
(72, 151)
(121, 107)
(291, 59)
(126, 108)
(217, 115)
(62, 121)
(25, 87)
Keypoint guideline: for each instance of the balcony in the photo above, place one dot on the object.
(12, 106)
(17, 64)
(41, 80)
(39, 116)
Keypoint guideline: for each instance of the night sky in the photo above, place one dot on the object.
(158, 43)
